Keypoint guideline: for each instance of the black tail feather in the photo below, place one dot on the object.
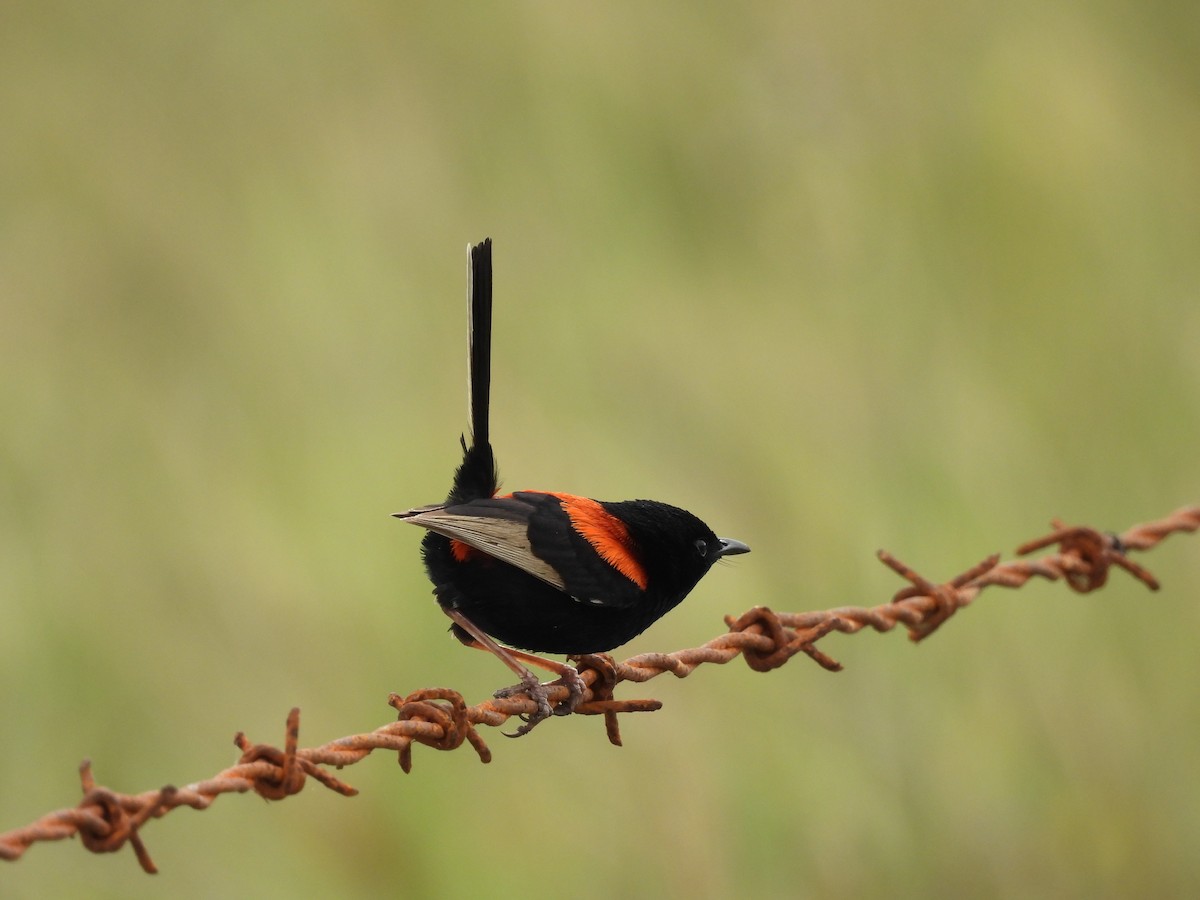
(479, 301)
(476, 477)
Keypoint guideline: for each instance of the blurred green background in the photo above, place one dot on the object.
(916, 276)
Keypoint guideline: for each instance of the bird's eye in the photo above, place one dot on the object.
(702, 546)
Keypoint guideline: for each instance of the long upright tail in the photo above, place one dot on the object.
(479, 314)
(476, 478)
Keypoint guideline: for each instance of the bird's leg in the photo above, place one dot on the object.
(568, 677)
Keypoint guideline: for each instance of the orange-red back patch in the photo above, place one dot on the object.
(462, 552)
(606, 533)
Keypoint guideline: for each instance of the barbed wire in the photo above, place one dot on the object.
(440, 718)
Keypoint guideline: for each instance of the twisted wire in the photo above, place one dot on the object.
(440, 718)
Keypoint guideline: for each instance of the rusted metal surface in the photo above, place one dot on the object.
(440, 718)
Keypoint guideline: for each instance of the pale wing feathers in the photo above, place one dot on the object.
(504, 539)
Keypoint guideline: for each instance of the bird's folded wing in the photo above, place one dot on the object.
(506, 537)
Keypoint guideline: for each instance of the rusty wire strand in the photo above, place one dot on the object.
(440, 718)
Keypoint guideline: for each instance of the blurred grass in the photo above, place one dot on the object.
(919, 277)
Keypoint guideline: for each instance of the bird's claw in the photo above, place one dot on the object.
(573, 682)
(537, 692)
(540, 694)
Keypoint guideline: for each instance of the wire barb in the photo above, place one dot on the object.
(108, 832)
(440, 718)
(1087, 555)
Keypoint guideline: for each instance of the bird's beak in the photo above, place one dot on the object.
(730, 547)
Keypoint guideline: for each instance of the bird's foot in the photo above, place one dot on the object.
(539, 693)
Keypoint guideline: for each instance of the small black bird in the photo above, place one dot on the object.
(548, 571)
